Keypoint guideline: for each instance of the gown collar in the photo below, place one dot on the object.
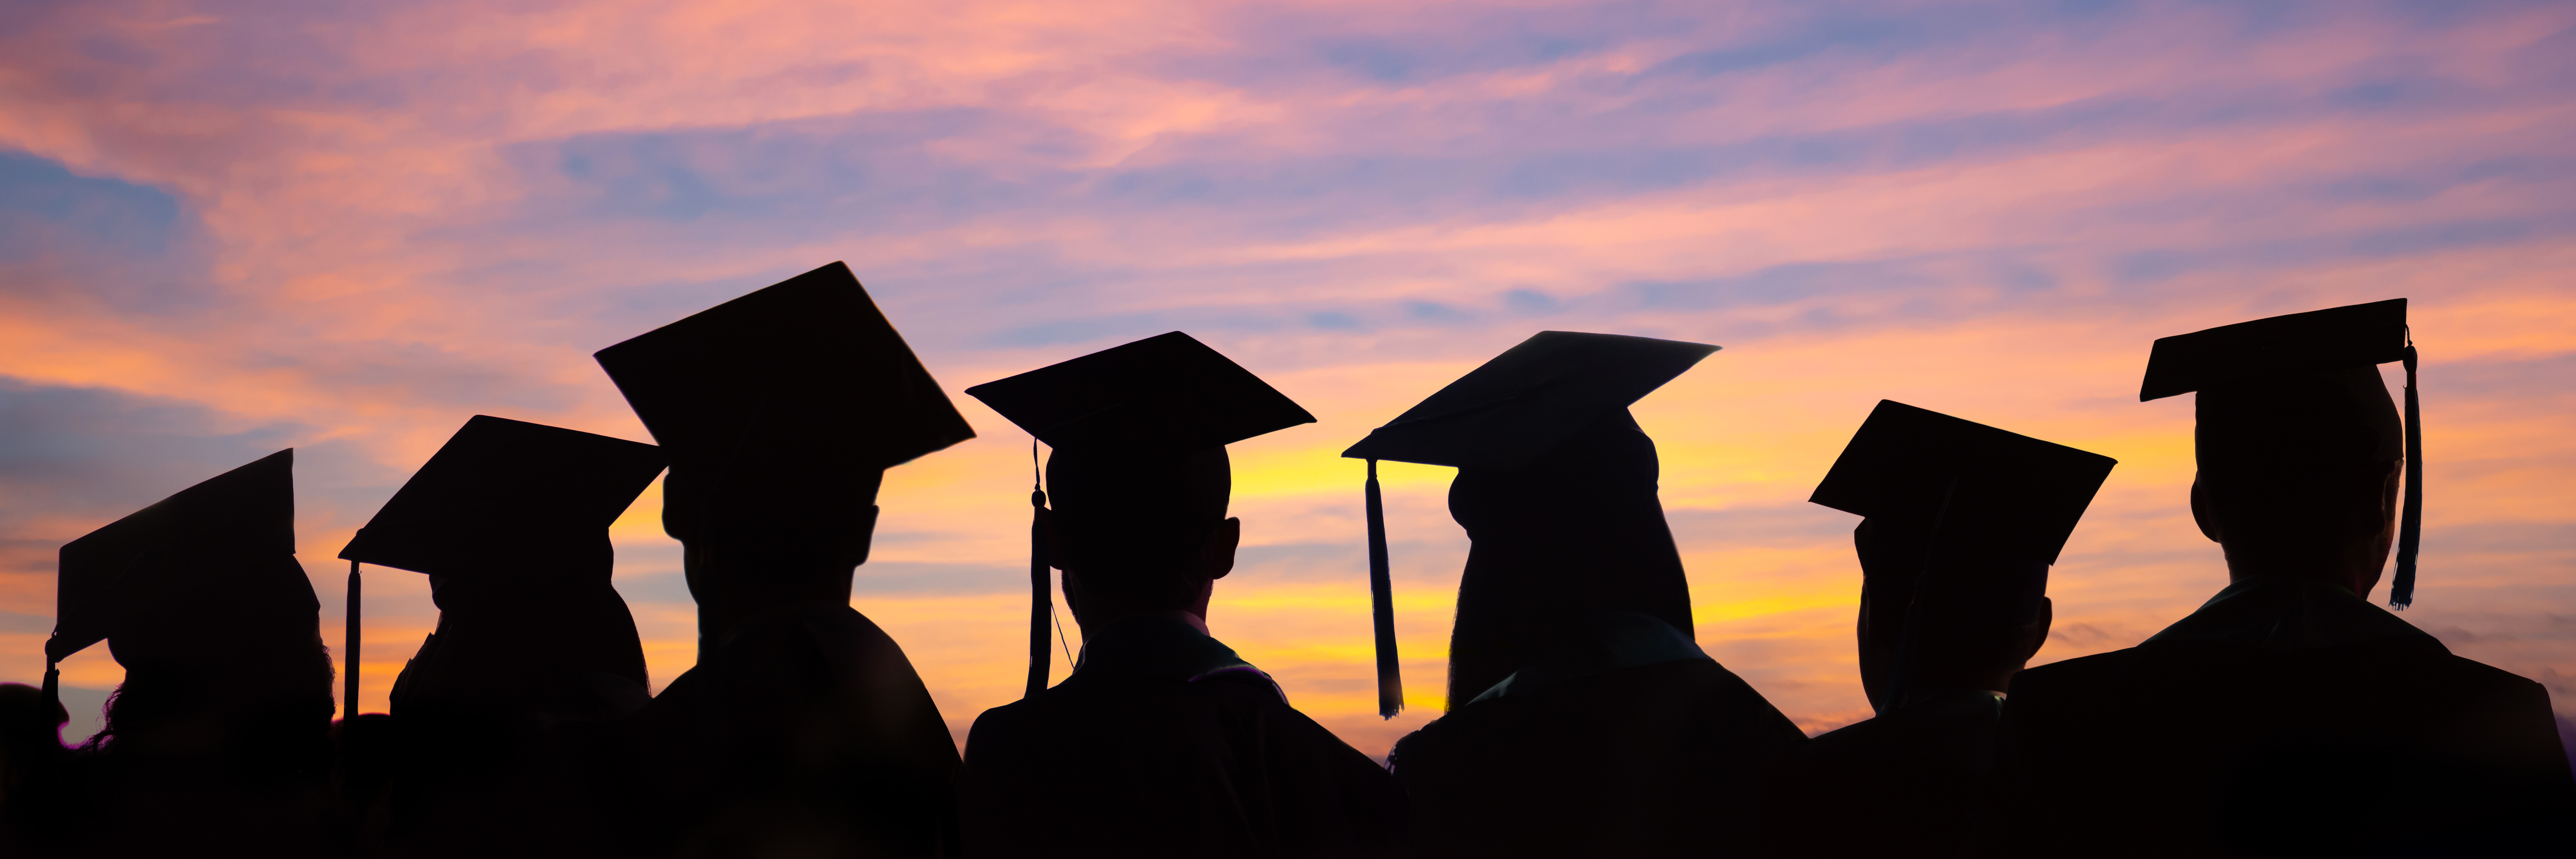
(1607, 641)
(1164, 645)
(2289, 615)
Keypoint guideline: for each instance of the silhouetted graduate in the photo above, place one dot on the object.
(1163, 742)
(217, 735)
(802, 730)
(510, 521)
(1583, 719)
(2287, 716)
(1963, 522)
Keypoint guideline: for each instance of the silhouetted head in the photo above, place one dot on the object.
(236, 670)
(527, 648)
(1556, 486)
(2299, 474)
(780, 411)
(510, 521)
(1138, 532)
(1983, 622)
(1136, 489)
(775, 538)
(2298, 441)
(1578, 529)
(1962, 523)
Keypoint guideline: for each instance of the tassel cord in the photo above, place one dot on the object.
(349, 651)
(1041, 580)
(2410, 528)
(1390, 679)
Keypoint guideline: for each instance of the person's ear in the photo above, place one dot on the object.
(863, 536)
(1072, 585)
(1217, 556)
(2200, 513)
(2035, 634)
(2384, 519)
(1052, 528)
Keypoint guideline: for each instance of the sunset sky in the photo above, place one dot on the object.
(229, 228)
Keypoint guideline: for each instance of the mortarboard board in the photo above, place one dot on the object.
(1529, 398)
(2010, 496)
(1502, 415)
(498, 488)
(809, 359)
(501, 487)
(2318, 341)
(1168, 393)
(109, 572)
(1163, 395)
(1907, 461)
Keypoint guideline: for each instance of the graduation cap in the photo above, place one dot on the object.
(1503, 415)
(2004, 496)
(2299, 345)
(118, 571)
(1165, 395)
(1907, 461)
(498, 489)
(799, 378)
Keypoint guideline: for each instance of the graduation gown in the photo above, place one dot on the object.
(2284, 718)
(1914, 782)
(156, 806)
(1165, 743)
(804, 733)
(1663, 758)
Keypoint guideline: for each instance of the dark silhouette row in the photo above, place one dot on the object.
(2286, 717)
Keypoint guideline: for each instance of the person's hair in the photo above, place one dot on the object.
(789, 500)
(270, 713)
(1578, 530)
(2282, 458)
(244, 653)
(1133, 526)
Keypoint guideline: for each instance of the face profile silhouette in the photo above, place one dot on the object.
(218, 733)
(200, 598)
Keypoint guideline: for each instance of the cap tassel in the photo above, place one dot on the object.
(2410, 523)
(53, 693)
(1041, 582)
(349, 651)
(1390, 674)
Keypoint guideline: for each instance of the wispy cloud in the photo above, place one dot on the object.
(351, 227)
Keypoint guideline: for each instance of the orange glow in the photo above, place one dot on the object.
(383, 223)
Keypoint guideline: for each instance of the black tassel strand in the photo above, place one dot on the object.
(1390, 679)
(2410, 526)
(349, 651)
(1041, 582)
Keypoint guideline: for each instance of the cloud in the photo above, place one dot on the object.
(349, 228)
(74, 454)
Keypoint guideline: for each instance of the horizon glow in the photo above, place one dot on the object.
(347, 228)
